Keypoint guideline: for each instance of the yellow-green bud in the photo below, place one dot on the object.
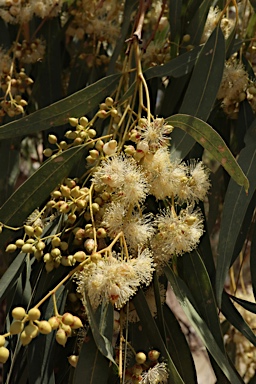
(55, 241)
(65, 190)
(186, 38)
(29, 230)
(77, 323)
(94, 153)
(92, 133)
(44, 327)
(109, 101)
(52, 139)
(153, 355)
(80, 256)
(73, 359)
(40, 245)
(101, 233)
(27, 248)
(61, 337)
(67, 318)
(18, 313)
(19, 243)
(83, 121)
(63, 245)
(24, 338)
(2, 340)
(95, 207)
(34, 314)
(55, 252)
(140, 357)
(73, 121)
(47, 152)
(63, 144)
(4, 354)
(16, 327)
(31, 330)
(11, 248)
(99, 145)
(54, 322)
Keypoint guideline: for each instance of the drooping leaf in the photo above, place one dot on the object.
(234, 210)
(249, 306)
(76, 105)
(182, 293)
(234, 317)
(92, 366)
(150, 328)
(36, 190)
(103, 343)
(192, 270)
(202, 89)
(205, 135)
(178, 347)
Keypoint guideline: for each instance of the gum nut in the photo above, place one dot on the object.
(4, 354)
(34, 314)
(61, 337)
(44, 327)
(67, 319)
(18, 313)
(16, 327)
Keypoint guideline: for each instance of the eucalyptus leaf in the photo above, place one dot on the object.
(76, 105)
(205, 135)
(182, 293)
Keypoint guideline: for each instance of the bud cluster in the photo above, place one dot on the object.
(28, 326)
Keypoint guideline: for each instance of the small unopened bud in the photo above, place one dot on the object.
(73, 359)
(54, 322)
(73, 121)
(77, 323)
(61, 337)
(67, 329)
(109, 101)
(29, 230)
(55, 241)
(25, 339)
(129, 150)
(16, 327)
(80, 256)
(101, 233)
(19, 243)
(143, 146)
(153, 355)
(99, 145)
(31, 330)
(92, 133)
(52, 139)
(95, 257)
(83, 121)
(47, 152)
(55, 252)
(44, 327)
(89, 245)
(11, 248)
(110, 147)
(90, 160)
(2, 340)
(95, 207)
(140, 357)
(94, 154)
(27, 248)
(4, 354)
(67, 318)
(18, 313)
(40, 245)
(34, 314)
(65, 190)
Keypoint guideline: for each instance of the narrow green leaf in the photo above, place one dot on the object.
(11, 275)
(78, 104)
(178, 347)
(175, 9)
(92, 366)
(202, 89)
(234, 210)
(205, 135)
(192, 270)
(249, 306)
(196, 25)
(150, 328)
(177, 67)
(36, 190)
(234, 317)
(253, 260)
(182, 293)
(103, 343)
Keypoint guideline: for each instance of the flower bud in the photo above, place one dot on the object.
(101, 233)
(40, 245)
(44, 327)
(29, 230)
(65, 190)
(11, 248)
(55, 252)
(95, 207)
(63, 144)
(55, 242)
(73, 121)
(67, 318)
(140, 357)
(47, 152)
(80, 256)
(16, 327)
(95, 257)
(18, 313)
(129, 150)
(92, 133)
(94, 154)
(153, 355)
(77, 323)
(89, 245)
(31, 330)
(2, 340)
(34, 314)
(24, 338)
(54, 322)
(4, 354)
(19, 243)
(61, 337)
(52, 139)
(110, 147)
(73, 359)
(67, 329)
(83, 121)
(99, 145)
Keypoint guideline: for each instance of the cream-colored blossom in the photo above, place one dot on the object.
(156, 375)
(137, 228)
(125, 177)
(114, 279)
(155, 133)
(176, 234)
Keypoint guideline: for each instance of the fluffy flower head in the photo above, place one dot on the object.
(156, 375)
